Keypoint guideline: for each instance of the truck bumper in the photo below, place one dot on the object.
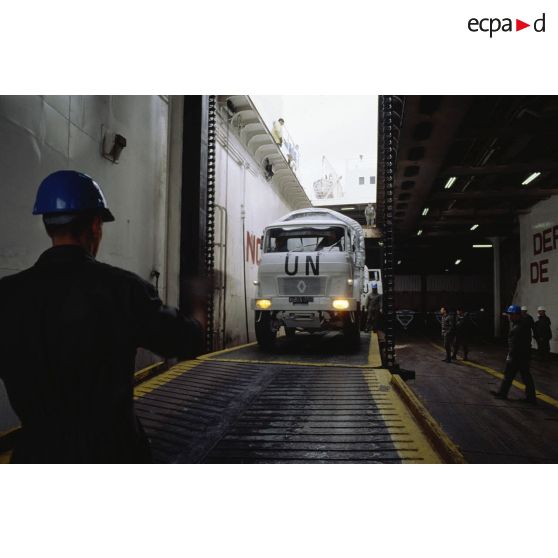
(323, 303)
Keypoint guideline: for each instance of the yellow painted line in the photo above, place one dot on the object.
(5, 457)
(380, 383)
(214, 353)
(140, 374)
(540, 395)
(374, 357)
(290, 363)
(162, 379)
(441, 442)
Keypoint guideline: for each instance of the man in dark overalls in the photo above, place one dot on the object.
(519, 356)
(543, 333)
(69, 332)
(462, 333)
(448, 331)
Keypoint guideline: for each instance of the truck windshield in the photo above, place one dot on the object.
(306, 240)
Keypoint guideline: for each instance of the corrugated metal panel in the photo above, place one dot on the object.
(407, 283)
(458, 283)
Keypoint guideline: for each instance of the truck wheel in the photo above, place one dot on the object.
(290, 331)
(351, 331)
(265, 334)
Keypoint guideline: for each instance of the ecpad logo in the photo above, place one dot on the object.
(492, 25)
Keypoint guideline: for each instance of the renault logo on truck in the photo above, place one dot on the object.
(301, 286)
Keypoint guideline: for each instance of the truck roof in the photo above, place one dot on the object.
(316, 216)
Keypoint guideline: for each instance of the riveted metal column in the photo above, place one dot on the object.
(210, 215)
(387, 167)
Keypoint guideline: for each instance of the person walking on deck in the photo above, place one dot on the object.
(519, 356)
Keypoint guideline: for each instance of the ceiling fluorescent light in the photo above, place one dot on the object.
(425, 211)
(482, 245)
(450, 182)
(530, 178)
(347, 208)
(419, 232)
(457, 262)
(474, 227)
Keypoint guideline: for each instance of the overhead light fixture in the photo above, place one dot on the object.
(347, 208)
(450, 182)
(457, 262)
(425, 211)
(419, 232)
(482, 245)
(474, 227)
(398, 262)
(530, 178)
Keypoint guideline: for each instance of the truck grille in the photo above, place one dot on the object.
(302, 286)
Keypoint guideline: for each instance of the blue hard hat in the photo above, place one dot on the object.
(64, 194)
(374, 285)
(513, 309)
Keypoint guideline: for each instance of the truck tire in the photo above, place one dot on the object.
(351, 331)
(265, 334)
(290, 331)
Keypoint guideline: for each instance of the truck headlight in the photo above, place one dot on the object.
(341, 304)
(263, 303)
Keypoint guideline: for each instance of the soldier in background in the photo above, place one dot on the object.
(448, 331)
(543, 333)
(370, 214)
(529, 319)
(373, 308)
(462, 332)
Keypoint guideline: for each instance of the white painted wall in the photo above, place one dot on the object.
(242, 189)
(42, 134)
(539, 252)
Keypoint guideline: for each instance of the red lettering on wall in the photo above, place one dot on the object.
(253, 246)
(547, 240)
(258, 245)
(539, 272)
(534, 272)
(250, 247)
(537, 243)
(543, 268)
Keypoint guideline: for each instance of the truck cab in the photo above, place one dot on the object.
(311, 276)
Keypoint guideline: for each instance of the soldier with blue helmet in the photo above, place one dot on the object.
(519, 356)
(70, 329)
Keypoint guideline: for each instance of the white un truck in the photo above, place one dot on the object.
(311, 276)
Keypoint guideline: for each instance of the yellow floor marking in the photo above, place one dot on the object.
(211, 355)
(374, 358)
(165, 377)
(379, 382)
(540, 395)
(428, 425)
(290, 363)
(140, 374)
(5, 457)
